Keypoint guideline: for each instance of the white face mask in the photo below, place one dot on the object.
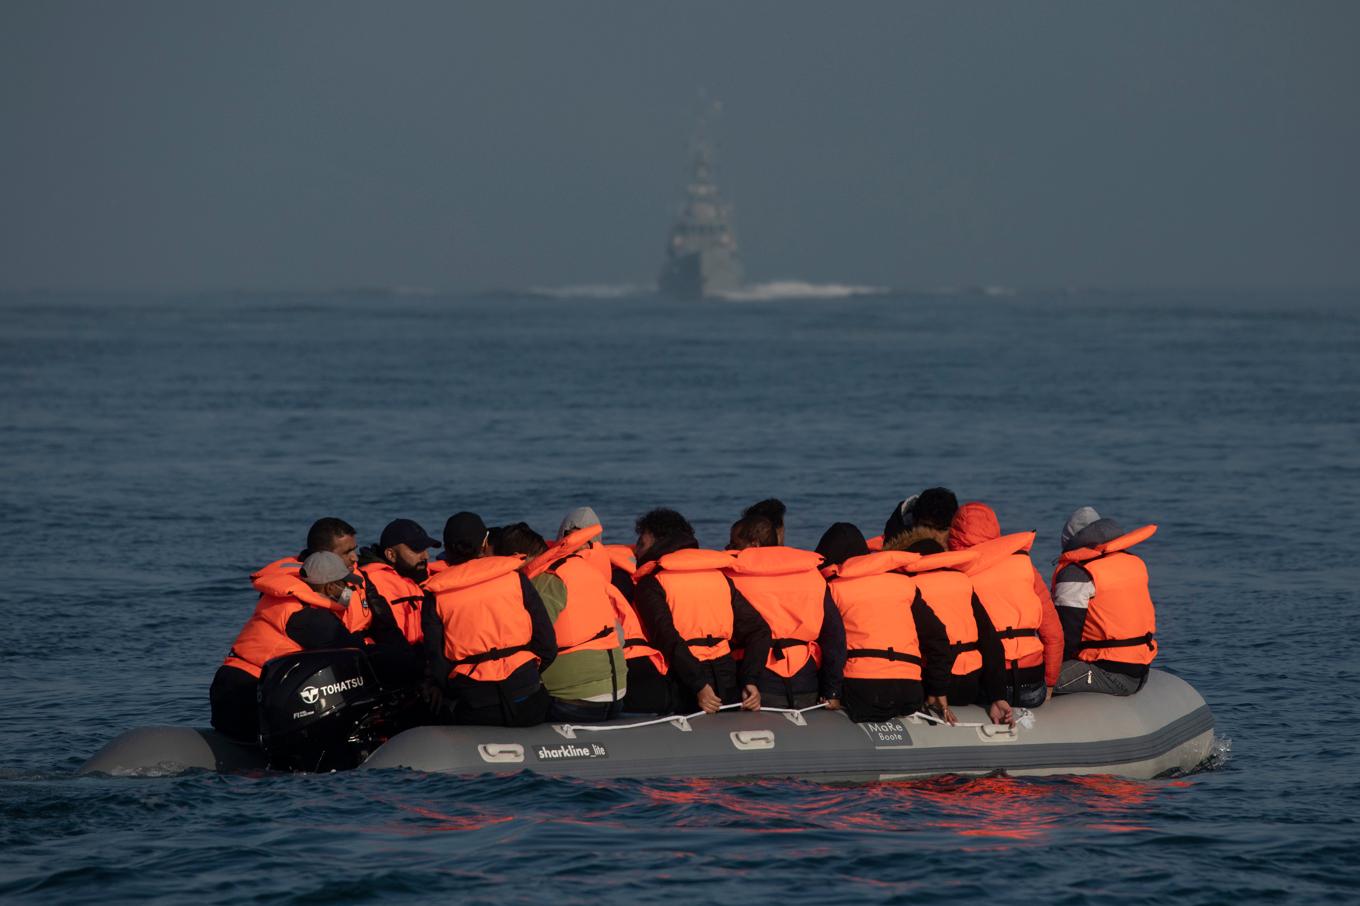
(345, 595)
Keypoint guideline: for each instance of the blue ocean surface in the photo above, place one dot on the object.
(157, 449)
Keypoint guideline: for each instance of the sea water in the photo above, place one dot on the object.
(156, 449)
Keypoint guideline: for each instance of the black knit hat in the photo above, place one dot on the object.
(841, 542)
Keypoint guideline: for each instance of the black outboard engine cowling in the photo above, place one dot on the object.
(317, 710)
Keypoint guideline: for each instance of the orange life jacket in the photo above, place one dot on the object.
(265, 635)
(875, 604)
(358, 617)
(875, 544)
(699, 599)
(948, 592)
(621, 556)
(1121, 622)
(1003, 579)
(486, 628)
(604, 558)
(402, 595)
(587, 622)
(785, 587)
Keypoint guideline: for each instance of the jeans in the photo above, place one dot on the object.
(1080, 676)
(579, 712)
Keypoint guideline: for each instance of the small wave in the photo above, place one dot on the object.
(798, 289)
(593, 291)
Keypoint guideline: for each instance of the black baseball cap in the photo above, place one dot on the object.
(465, 528)
(407, 532)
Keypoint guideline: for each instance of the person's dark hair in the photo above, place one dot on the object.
(662, 523)
(772, 508)
(841, 542)
(324, 532)
(752, 531)
(517, 538)
(935, 508)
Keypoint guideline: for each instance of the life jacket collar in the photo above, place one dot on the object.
(473, 572)
(992, 552)
(689, 560)
(959, 560)
(773, 561)
(1122, 543)
(872, 564)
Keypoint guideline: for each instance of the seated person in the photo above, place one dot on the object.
(964, 660)
(487, 634)
(393, 570)
(1016, 599)
(1108, 618)
(588, 680)
(883, 654)
(692, 617)
(297, 611)
(784, 585)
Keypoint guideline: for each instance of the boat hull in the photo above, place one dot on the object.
(1165, 728)
(700, 274)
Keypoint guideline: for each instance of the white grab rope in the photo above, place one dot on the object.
(673, 718)
(1024, 718)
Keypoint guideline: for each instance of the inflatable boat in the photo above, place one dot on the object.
(1166, 728)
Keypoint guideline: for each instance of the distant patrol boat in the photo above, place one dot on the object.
(701, 257)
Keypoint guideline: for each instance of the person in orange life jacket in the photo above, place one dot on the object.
(773, 509)
(928, 515)
(984, 686)
(772, 582)
(883, 664)
(620, 574)
(648, 690)
(1011, 589)
(1102, 596)
(300, 611)
(393, 570)
(333, 534)
(487, 634)
(681, 587)
(588, 680)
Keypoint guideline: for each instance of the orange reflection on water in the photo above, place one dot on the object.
(445, 823)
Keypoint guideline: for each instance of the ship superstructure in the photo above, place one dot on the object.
(701, 256)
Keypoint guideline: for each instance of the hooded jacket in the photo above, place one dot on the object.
(1073, 586)
(976, 523)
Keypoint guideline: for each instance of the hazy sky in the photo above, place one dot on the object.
(461, 146)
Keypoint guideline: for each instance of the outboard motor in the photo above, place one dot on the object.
(320, 710)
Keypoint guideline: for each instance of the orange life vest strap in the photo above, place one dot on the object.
(777, 646)
(1017, 633)
(886, 654)
(1144, 639)
(703, 641)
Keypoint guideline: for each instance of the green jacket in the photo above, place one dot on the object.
(578, 674)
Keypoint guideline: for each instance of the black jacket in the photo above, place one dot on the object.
(749, 630)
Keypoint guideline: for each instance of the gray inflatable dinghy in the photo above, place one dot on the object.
(1165, 728)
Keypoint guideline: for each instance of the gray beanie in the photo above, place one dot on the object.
(579, 518)
(323, 568)
(1083, 517)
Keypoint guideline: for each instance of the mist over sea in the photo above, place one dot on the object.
(157, 449)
